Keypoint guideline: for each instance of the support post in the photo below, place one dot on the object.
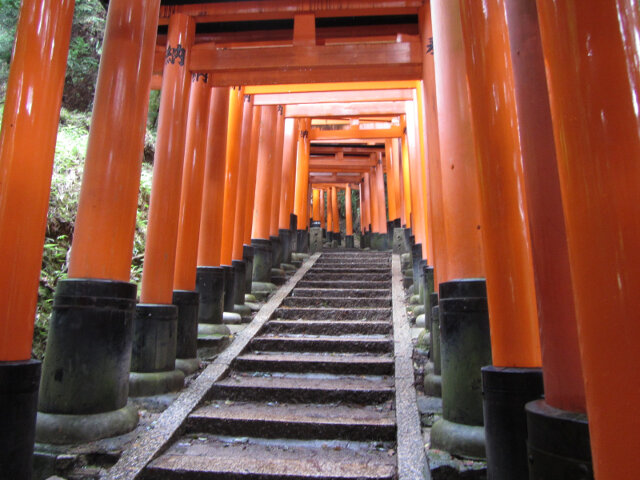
(463, 228)
(591, 56)
(348, 242)
(209, 275)
(515, 376)
(85, 380)
(32, 109)
(185, 296)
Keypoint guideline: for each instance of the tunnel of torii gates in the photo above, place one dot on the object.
(508, 132)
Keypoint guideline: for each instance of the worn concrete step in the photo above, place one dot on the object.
(344, 364)
(210, 457)
(341, 293)
(344, 302)
(319, 313)
(299, 421)
(350, 269)
(329, 327)
(303, 388)
(345, 284)
(324, 343)
(361, 277)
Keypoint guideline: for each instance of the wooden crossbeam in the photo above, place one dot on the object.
(283, 9)
(307, 64)
(332, 149)
(354, 134)
(334, 178)
(333, 97)
(353, 109)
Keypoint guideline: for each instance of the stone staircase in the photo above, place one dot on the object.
(313, 394)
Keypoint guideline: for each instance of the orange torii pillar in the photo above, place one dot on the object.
(370, 178)
(153, 356)
(435, 218)
(591, 60)
(278, 276)
(263, 253)
(382, 210)
(366, 210)
(515, 376)
(392, 186)
(329, 217)
(85, 378)
(302, 187)
(32, 109)
(232, 161)
(323, 222)
(315, 201)
(185, 296)
(287, 191)
(465, 345)
(248, 252)
(396, 147)
(348, 239)
(242, 255)
(564, 401)
(209, 274)
(335, 214)
(406, 181)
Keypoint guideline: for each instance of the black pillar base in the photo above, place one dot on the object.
(247, 257)
(465, 347)
(262, 260)
(302, 241)
(187, 302)
(153, 356)
(416, 258)
(229, 294)
(558, 443)
(85, 373)
(18, 403)
(239, 280)
(285, 241)
(210, 286)
(505, 393)
(348, 241)
(433, 379)
(276, 251)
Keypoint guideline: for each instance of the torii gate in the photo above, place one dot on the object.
(581, 210)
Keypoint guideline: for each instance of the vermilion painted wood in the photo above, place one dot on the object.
(244, 187)
(406, 180)
(276, 174)
(391, 180)
(348, 96)
(213, 189)
(164, 205)
(323, 223)
(563, 381)
(461, 199)
(32, 108)
(232, 162)
(591, 57)
(315, 201)
(287, 193)
(106, 219)
(348, 211)
(266, 160)
(251, 177)
(328, 87)
(184, 276)
(345, 109)
(434, 204)
(513, 315)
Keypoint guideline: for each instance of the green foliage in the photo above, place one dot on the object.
(8, 19)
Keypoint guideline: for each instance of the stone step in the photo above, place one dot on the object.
(344, 302)
(361, 277)
(299, 421)
(324, 343)
(349, 269)
(211, 457)
(345, 364)
(303, 388)
(341, 293)
(345, 284)
(329, 327)
(318, 313)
